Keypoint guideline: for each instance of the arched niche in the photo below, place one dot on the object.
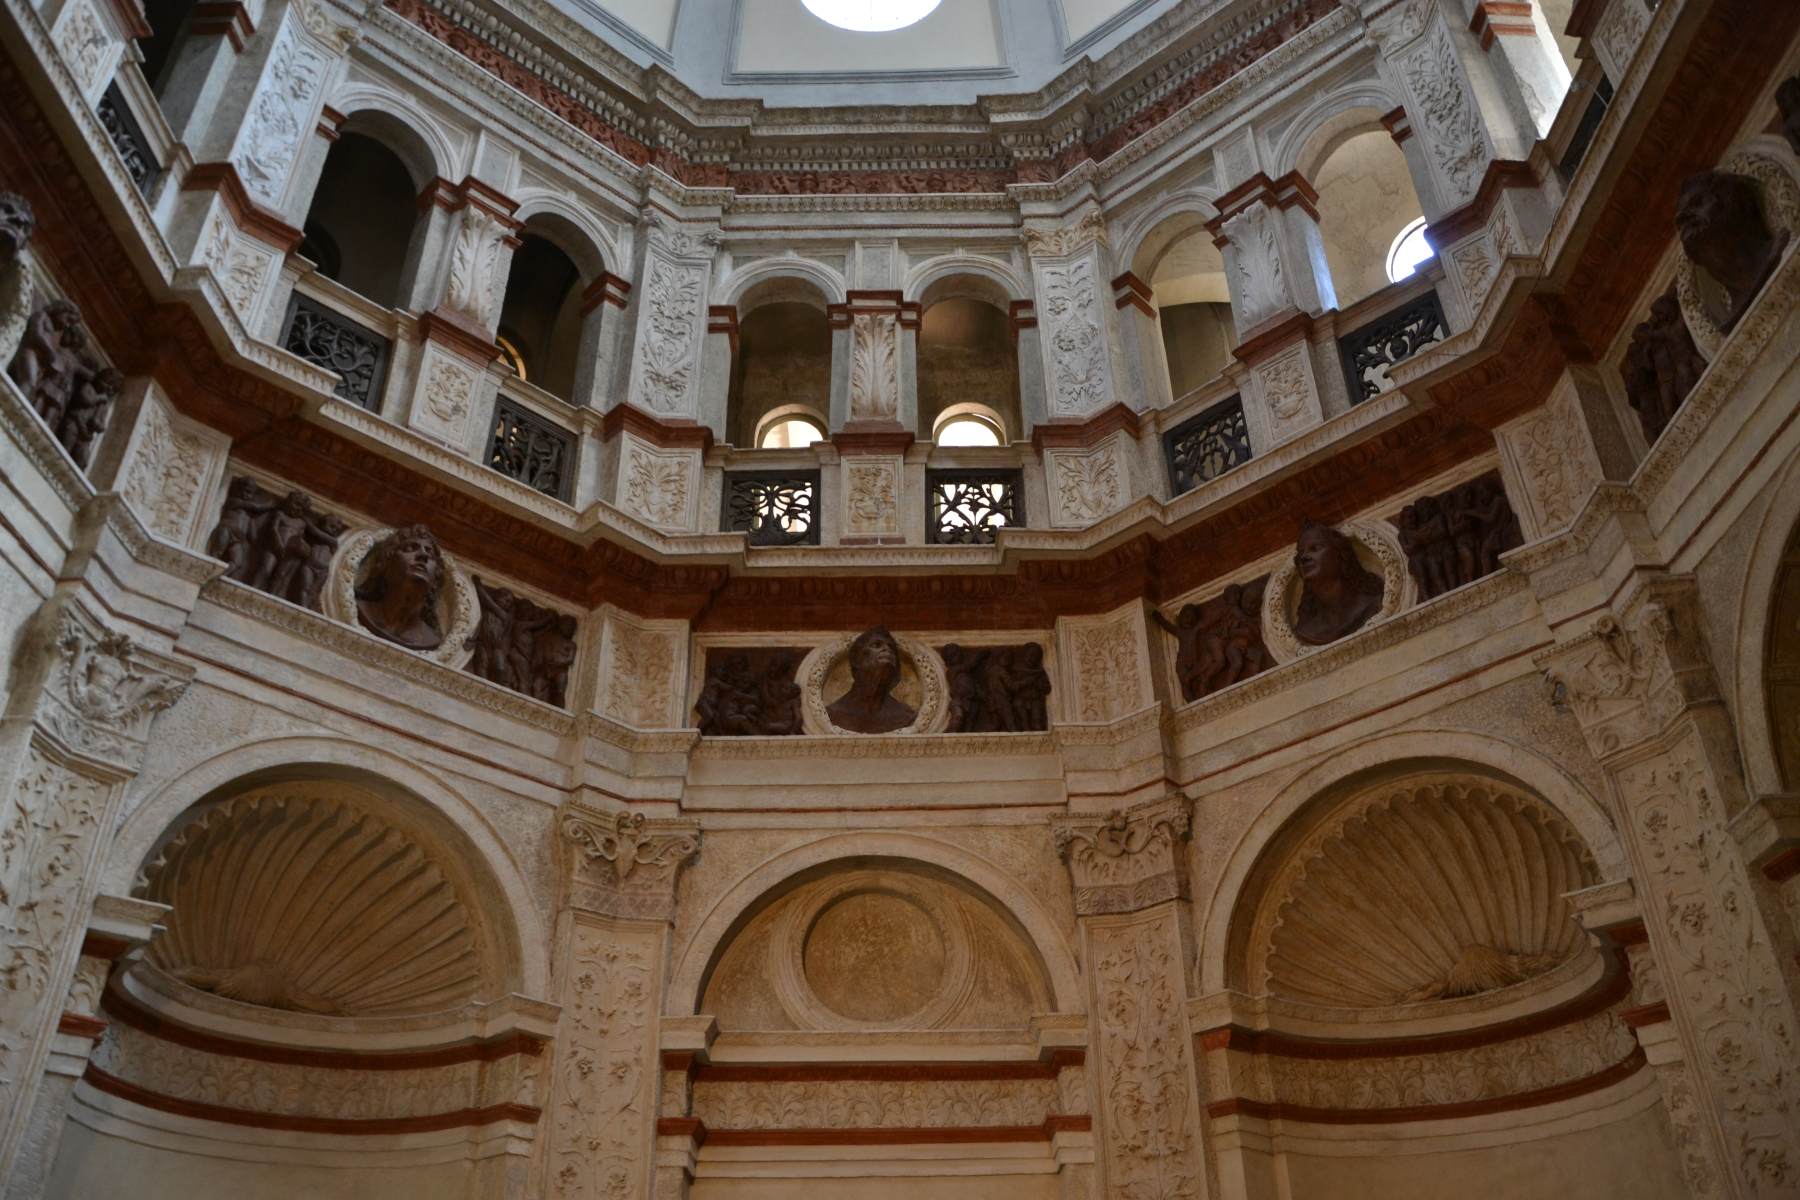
(1366, 199)
(363, 225)
(967, 356)
(1186, 274)
(783, 354)
(546, 308)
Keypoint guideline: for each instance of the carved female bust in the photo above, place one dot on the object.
(1722, 228)
(398, 596)
(869, 706)
(1338, 594)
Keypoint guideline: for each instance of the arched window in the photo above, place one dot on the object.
(363, 219)
(1410, 248)
(791, 427)
(1186, 274)
(541, 317)
(967, 360)
(1366, 201)
(783, 358)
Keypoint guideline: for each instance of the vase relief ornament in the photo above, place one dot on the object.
(1287, 393)
(1108, 681)
(1085, 485)
(239, 268)
(398, 585)
(1339, 581)
(874, 682)
(874, 368)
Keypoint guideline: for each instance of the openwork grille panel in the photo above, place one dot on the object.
(533, 451)
(970, 507)
(127, 137)
(776, 508)
(1206, 446)
(1392, 338)
(331, 340)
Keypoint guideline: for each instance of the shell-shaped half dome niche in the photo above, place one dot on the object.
(312, 903)
(1426, 889)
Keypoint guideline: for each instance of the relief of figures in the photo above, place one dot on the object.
(65, 384)
(1458, 536)
(997, 689)
(522, 645)
(750, 693)
(1220, 642)
(282, 546)
(1661, 366)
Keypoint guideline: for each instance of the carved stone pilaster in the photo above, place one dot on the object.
(671, 321)
(1078, 339)
(875, 366)
(1129, 859)
(624, 864)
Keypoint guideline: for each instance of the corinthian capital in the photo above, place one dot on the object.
(1128, 859)
(624, 864)
(104, 689)
(1088, 229)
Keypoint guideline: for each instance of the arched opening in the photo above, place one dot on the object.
(791, 427)
(1366, 202)
(1781, 663)
(1186, 274)
(967, 362)
(364, 218)
(783, 357)
(170, 25)
(541, 316)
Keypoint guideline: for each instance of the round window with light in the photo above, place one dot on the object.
(1410, 248)
(871, 16)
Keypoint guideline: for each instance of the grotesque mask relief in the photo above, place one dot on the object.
(870, 706)
(1458, 537)
(522, 645)
(1661, 366)
(280, 546)
(16, 224)
(1220, 642)
(750, 692)
(398, 589)
(1724, 232)
(1338, 594)
(996, 689)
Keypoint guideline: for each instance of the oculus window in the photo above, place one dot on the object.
(871, 16)
(1409, 250)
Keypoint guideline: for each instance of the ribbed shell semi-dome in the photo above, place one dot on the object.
(312, 904)
(1422, 891)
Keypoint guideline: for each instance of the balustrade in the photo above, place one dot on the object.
(1393, 337)
(1206, 446)
(328, 339)
(127, 136)
(776, 508)
(535, 451)
(970, 506)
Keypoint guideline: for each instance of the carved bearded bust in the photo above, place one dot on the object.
(397, 597)
(1338, 594)
(870, 706)
(1723, 231)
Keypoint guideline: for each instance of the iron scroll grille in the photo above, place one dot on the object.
(970, 506)
(776, 508)
(358, 356)
(1391, 338)
(1206, 445)
(127, 137)
(538, 453)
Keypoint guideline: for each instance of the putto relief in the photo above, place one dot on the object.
(750, 692)
(997, 689)
(1456, 537)
(59, 375)
(1661, 365)
(522, 645)
(279, 545)
(1219, 642)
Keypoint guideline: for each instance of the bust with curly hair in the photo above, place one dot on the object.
(1338, 594)
(397, 596)
(870, 706)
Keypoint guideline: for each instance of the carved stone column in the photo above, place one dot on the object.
(117, 926)
(618, 876)
(882, 395)
(75, 736)
(1129, 869)
(1078, 337)
(670, 321)
(1644, 693)
(458, 331)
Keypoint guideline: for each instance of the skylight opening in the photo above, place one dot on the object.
(1409, 250)
(871, 16)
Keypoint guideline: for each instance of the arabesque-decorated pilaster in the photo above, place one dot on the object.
(1078, 334)
(618, 874)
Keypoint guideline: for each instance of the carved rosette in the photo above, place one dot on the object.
(624, 864)
(1398, 591)
(1128, 859)
(928, 672)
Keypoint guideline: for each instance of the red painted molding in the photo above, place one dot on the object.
(128, 1012)
(81, 1025)
(229, 18)
(1584, 17)
(1021, 315)
(131, 18)
(1397, 124)
(607, 289)
(1645, 1014)
(1501, 174)
(1274, 335)
(1066, 432)
(658, 431)
(1236, 1105)
(1128, 289)
(874, 1072)
(458, 334)
(873, 437)
(104, 945)
(441, 192)
(1290, 191)
(373, 1127)
(247, 214)
(887, 302)
(1501, 18)
(689, 1127)
(1066, 1056)
(1783, 866)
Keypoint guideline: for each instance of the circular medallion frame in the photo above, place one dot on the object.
(459, 610)
(1398, 592)
(815, 670)
(1779, 194)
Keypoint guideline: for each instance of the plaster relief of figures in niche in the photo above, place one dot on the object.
(1337, 582)
(1661, 365)
(65, 384)
(1219, 642)
(997, 689)
(1724, 233)
(17, 222)
(400, 586)
(522, 645)
(282, 546)
(873, 682)
(875, 368)
(750, 693)
(1458, 536)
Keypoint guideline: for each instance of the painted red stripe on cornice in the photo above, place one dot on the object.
(941, 1072)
